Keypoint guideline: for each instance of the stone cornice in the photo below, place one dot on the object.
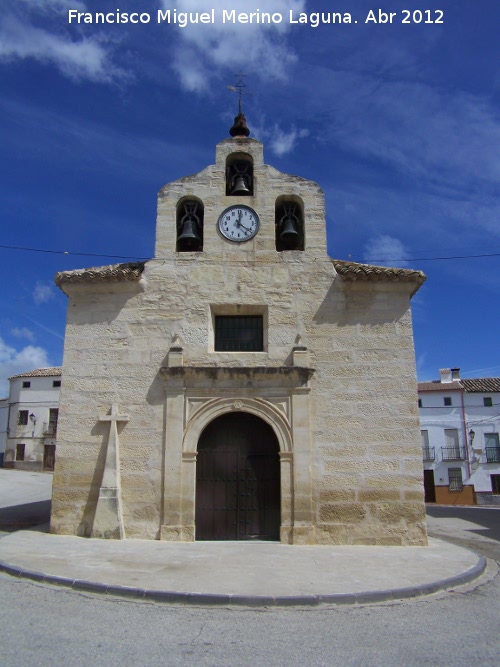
(250, 376)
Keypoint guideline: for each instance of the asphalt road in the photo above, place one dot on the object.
(49, 626)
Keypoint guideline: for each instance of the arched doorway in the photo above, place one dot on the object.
(238, 480)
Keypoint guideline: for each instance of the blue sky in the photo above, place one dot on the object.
(399, 124)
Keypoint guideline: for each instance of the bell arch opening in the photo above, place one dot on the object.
(238, 486)
(189, 225)
(239, 175)
(289, 223)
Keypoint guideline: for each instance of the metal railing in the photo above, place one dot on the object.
(428, 453)
(453, 453)
(50, 429)
(493, 454)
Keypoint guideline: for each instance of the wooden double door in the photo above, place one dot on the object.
(238, 480)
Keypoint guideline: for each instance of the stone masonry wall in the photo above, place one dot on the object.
(364, 444)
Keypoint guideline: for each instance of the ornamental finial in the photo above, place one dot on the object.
(239, 128)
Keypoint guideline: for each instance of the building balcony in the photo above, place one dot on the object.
(49, 430)
(429, 453)
(493, 454)
(453, 453)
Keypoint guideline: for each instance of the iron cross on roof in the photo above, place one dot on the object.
(238, 88)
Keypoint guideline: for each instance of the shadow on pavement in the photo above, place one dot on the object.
(488, 518)
(28, 515)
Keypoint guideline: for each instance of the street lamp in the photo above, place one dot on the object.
(472, 435)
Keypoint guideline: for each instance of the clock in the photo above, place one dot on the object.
(239, 223)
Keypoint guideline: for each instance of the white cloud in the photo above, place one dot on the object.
(14, 361)
(23, 332)
(386, 251)
(204, 50)
(88, 58)
(54, 5)
(409, 125)
(43, 292)
(284, 142)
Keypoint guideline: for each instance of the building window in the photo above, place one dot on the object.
(20, 452)
(26, 385)
(495, 484)
(455, 479)
(492, 447)
(427, 452)
(56, 383)
(447, 401)
(452, 450)
(239, 333)
(419, 402)
(22, 417)
(487, 401)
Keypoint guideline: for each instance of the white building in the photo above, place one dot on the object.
(460, 424)
(4, 411)
(30, 414)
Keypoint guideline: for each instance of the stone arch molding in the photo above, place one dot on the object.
(255, 406)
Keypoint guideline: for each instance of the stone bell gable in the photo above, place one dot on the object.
(241, 384)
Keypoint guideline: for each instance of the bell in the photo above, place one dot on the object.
(240, 187)
(189, 239)
(290, 235)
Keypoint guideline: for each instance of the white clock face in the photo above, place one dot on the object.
(239, 223)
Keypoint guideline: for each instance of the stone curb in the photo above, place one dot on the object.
(223, 599)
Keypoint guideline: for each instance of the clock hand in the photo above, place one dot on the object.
(247, 229)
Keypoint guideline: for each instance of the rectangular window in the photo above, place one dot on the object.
(455, 479)
(495, 484)
(22, 417)
(427, 452)
(452, 450)
(26, 385)
(20, 452)
(239, 333)
(492, 444)
(56, 383)
(447, 401)
(53, 417)
(419, 402)
(487, 401)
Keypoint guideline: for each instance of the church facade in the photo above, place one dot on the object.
(241, 384)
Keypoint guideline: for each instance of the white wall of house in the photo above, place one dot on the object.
(446, 433)
(32, 414)
(450, 409)
(484, 421)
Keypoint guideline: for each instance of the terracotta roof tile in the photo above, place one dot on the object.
(130, 271)
(481, 384)
(40, 373)
(353, 271)
(436, 385)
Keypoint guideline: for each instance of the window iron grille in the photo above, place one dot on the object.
(239, 333)
(455, 479)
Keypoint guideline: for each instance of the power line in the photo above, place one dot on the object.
(142, 259)
(436, 259)
(67, 252)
